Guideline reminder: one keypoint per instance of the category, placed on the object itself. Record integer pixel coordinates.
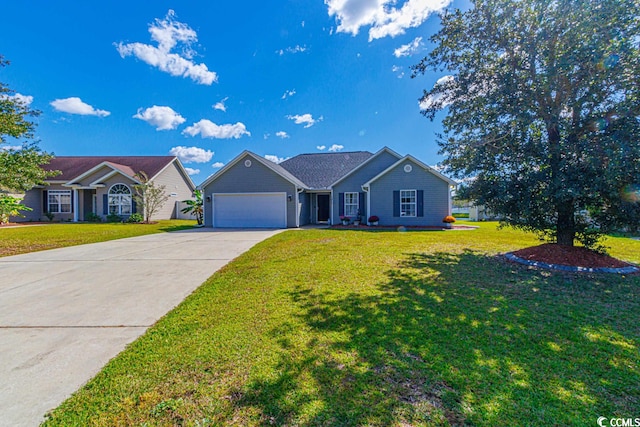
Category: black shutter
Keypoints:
(361, 207)
(72, 200)
(45, 201)
(396, 203)
(340, 204)
(420, 202)
(134, 206)
(105, 204)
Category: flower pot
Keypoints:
(356, 222)
(373, 223)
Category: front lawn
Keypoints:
(31, 238)
(334, 327)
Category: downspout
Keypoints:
(366, 190)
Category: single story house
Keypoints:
(103, 185)
(320, 188)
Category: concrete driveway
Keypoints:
(65, 312)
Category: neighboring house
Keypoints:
(251, 191)
(480, 213)
(103, 185)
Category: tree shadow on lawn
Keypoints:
(457, 339)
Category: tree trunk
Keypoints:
(566, 226)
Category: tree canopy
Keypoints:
(543, 118)
(20, 166)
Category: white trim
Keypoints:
(409, 157)
(272, 193)
(363, 164)
(60, 193)
(344, 195)
(75, 205)
(367, 202)
(120, 204)
(415, 204)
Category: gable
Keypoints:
(247, 174)
(369, 169)
(75, 166)
(412, 163)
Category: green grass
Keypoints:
(23, 239)
(351, 328)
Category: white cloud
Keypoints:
(293, 49)
(74, 105)
(192, 171)
(336, 147)
(305, 119)
(191, 154)
(275, 159)
(409, 49)
(10, 147)
(168, 33)
(398, 71)
(163, 118)
(208, 129)
(282, 134)
(220, 105)
(24, 100)
(321, 147)
(430, 101)
(217, 165)
(288, 93)
(384, 18)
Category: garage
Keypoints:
(249, 210)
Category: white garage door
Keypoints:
(250, 210)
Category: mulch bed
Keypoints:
(401, 227)
(575, 256)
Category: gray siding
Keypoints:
(32, 199)
(436, 195)
(255, 179)
(304, 208)
(353, 183)
(177, 188)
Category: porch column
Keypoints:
(75, 205)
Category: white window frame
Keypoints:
(406, 207)
(120, 203)
(351, 208)
(57, 203)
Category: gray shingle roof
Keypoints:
(320, 170)
(73, 166)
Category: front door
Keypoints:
(323, 207)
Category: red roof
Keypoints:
(74, 166)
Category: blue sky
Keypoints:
(207, 80)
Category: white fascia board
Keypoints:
(414, 160)
(363, 164)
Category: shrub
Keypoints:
(374, 218)
(135, 218)
(49, 215)
(448, 219)
(91, 217)
(114, 218)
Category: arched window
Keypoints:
(120, 200)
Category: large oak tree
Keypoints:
(543, 118)
(20, 167)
